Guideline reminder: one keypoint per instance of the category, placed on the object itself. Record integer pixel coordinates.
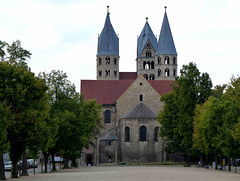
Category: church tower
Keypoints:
(108, 52)
(146, 48)
(166, 54)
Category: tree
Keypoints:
(190, 89)
(4, 145)
(25, 95)
(76, 119)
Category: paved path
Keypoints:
(135, 173)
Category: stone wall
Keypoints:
(130, 98)
(136, 151)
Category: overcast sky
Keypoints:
(62, 34)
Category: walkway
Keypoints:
(135, 173)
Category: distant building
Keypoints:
(131, 100)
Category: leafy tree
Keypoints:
(25, 95)
(190, 89)
(77, 119)
(4, 146)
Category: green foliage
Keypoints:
(4, 145)
(216, 126)
(176, 119)
(77, 120)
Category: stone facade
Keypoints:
(130, 105)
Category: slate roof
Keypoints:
(140, 111)
(165, 42)
(108, 91)
(108, 41)
(146, 34)
(110, 134)
(127, 75)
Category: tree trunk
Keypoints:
(187, 164)
(45, 154)
(216, 161)
(24, 164)
(221, 162)
(14, 172)
(229, 164)
(66, 159)
(202, 163)
(53, 163)
(2, 172)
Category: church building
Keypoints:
(131, 100)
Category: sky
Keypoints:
(63, 34)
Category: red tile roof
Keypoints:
(127, 75)
(104, 91)
(162, 86)
(108, 91)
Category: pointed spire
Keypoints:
(165, 42)
(145, 36)
(108, 41)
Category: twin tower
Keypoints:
(156, 60)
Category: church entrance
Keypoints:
(89, 159)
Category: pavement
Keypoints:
(134, 173)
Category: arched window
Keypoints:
(148, 65)
(127, 134)
(166, 61)
(148, 54)
(156, 134)
(141, 97)
(159, 72)
(99, 61)
(152, 65)
(100, 73)
(159, 60)
(107, 60)
(174, 61)
(115, 61)
(107, 116)
(174, 72)
(146, 76)
(167, 73)
(151, 77)
(115, 73)
(107, 73)
(143, 133)
(144, 65)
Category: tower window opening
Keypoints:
(115, 73)
(146, 76)
(174, 72)
(115, 61)
(141, 97)
(107, 73)
(151, 77)
(159, 60)
(107, 60)
(109, 143)
(100, 73)
(159, 72)
(167, 73)
(166, 61)
(144, 65)
(99, 61)
(174, 61)
(148, 54)
(152, 65)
